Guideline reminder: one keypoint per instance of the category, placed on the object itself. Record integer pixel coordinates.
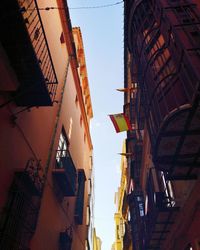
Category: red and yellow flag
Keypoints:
(120, 122)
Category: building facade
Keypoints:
(162, 76)
(45, 142)
(96, 241)
(122, 215)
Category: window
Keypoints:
(140, 205)
(63, 146)
(118, 237)
(64, 172)
(80, 197)
(18, 221)
(91, 162)
(88, 216)
(168, 190)
(89, 186)
(146, 204)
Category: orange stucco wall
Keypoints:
(30, 135)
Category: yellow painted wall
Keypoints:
(96, 241)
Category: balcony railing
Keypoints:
(24, 41)
(136, 206)
(65, 175)
(19, 216)
(33, 175)
(129, 110)
(161, 212)
(140, 114)
(134, 145)
(166, 57)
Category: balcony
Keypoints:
(64, 175)
(177, 149)
(161, 212)
(129, 110)
(18, 219)
(25, 44)
(136, 206)
(134, 145)
(32, 177)
(140, 113)
(168, 77)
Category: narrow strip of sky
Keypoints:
(102, 32)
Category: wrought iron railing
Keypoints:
(33, 21)
(34, 171)
(136, 205)
(18, 219)
(160, 211)
(64, 161)
(65, 173)
(159, 194)
(167, 73)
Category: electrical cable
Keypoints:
(96, 7)
(75, 8)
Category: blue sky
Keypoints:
(102, 32)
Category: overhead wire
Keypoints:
(76, 8)
(96, 7)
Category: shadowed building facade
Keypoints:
(45, 144)
(162, 77)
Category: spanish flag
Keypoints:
(120, 122)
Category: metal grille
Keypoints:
(136, 204)
(19, 217)
(32, 19)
